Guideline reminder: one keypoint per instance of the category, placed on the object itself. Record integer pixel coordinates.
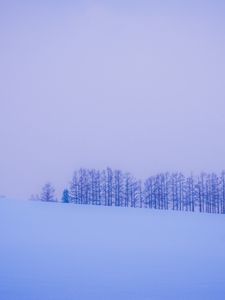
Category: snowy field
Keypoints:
(52, 251)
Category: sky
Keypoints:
(135, 85)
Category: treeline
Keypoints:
(203, 193)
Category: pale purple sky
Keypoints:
(135, 85)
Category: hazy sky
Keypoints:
(137, 85)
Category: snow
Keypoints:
(64, 251)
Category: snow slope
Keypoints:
(61, 251)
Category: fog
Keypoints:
(132, 85)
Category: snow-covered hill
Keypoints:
(52, 251)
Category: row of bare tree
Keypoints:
(203, 193)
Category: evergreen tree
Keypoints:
(65, 196)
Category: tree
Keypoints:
(118, 188)
(222, 192)
(103, 181)
(127, 189)
(74, 189)
(109, 188)
(65, 196)
(48, 193)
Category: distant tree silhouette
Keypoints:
(65, 196)
(48, 193)
(203, 193)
